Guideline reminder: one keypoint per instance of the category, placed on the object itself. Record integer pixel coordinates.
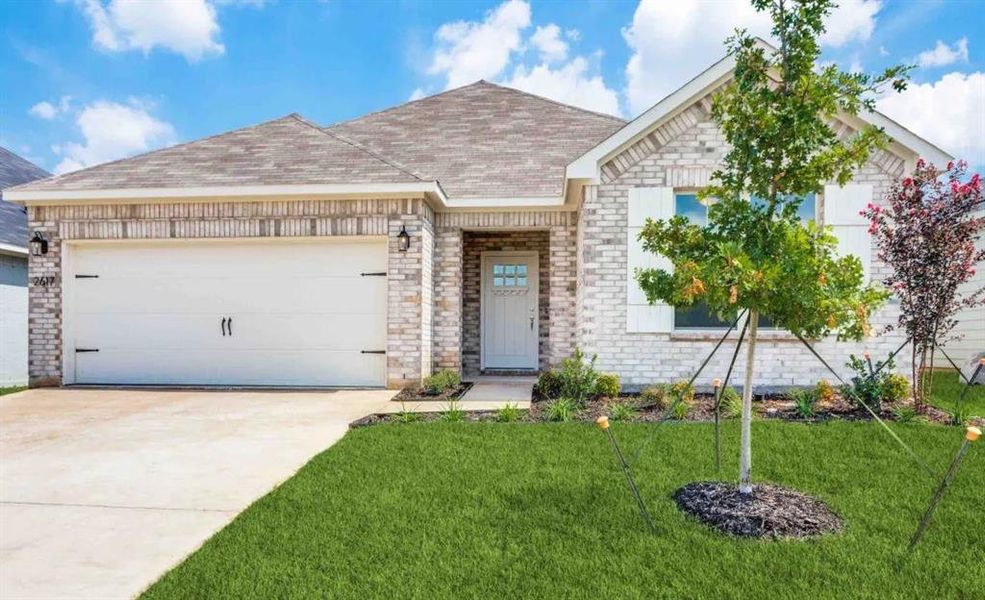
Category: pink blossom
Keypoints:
(920, 163)
(950, 165)
(907, 182)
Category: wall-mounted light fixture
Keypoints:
(403, 240)
(39, 245)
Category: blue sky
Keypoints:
(93, 80)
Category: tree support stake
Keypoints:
(603, 423)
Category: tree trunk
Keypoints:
(745, 456)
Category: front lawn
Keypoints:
(947, 388)
(487, 510)
(12, 390)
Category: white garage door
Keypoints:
(270, 313)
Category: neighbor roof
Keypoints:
(484, 140)
(285, 151)
(15, 170)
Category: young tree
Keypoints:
(927, 235)
(754, 253)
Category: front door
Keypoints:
(510, 320)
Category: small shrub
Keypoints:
(731, 404)
(682, 390)
(803, 402)
(508, 414)
(863, 388)
(607, 385)
(824, 391)
(441, 381)
(407, 416)
(907, 414)
(654, 396)
(895, 387)
(548, 386)
(577, 378)
(960, 416)
(622, 411)
(561, 410)
(453, 414)
(681, 409)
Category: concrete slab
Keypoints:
(102, 491)
(497, 391)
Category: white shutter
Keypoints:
(841, 211)
(641, 317)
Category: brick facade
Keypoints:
(687, 160)
(409, 294)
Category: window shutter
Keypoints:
(841, 211)
(654, 203)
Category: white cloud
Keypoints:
(852, 20)
(48, 111)
(187, 27)
(417, 94)
(44, 110)
(883, 51)
(468, 51)
(547, 40)
(111, 131)
(943, 55)
(572, 83)
(948, 112)
(674, 41)
(495, 48)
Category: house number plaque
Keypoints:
(46, 281)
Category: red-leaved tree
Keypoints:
(927, 236)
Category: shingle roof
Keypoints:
(484, 140)
(478, 141)
(14, 170)
(285, 151)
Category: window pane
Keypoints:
(497, 269)
(510, 269)
(807, 210)
(688, 206)
(521, 269)
(509, 281)
(521, 281)
(497, 282)
(697, 317)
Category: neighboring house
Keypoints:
(14, 170)
(482, 229)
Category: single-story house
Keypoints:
(482, 229)
(14, 170)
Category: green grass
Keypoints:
(947, 388)
(12, 390)
(457, 510)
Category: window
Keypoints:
(697, 316)
(509, 275)
(807, 209)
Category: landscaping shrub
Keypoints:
(871, 391)
(681, 409)
(407, 416)
(622, 411)
(896, 387)
(654, 396)
(607, 385)
(577, 378)
(907, 414)
(682, 390)
(731, 404)
(548, 386)
(561, 410)
(453, 414)
(824, 391)
(508, 413)
(441, 381)
(804, 401)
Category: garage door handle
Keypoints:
(230, 325)
(223, 326)
(372, 351)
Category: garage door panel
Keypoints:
(323, 332)
(231, 259)
(303, 313)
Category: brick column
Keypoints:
(447, 325)
(45, 305)
(563, 289)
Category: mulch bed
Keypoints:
(770, 512)
(413, 395)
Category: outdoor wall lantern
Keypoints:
(39, 245)
(403, 239)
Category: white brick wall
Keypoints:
(687, 161)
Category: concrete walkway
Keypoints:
(102, 491)
(496, 391)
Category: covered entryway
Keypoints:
(509, 305)
(259, 312)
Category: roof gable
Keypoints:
(484, 140)
(285, 151)
(696, 94)
(15, 170)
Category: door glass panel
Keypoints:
(510, 275)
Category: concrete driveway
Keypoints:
(102, 491)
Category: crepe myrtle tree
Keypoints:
(754, 253)
(926, 233)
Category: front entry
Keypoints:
(510, 319)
